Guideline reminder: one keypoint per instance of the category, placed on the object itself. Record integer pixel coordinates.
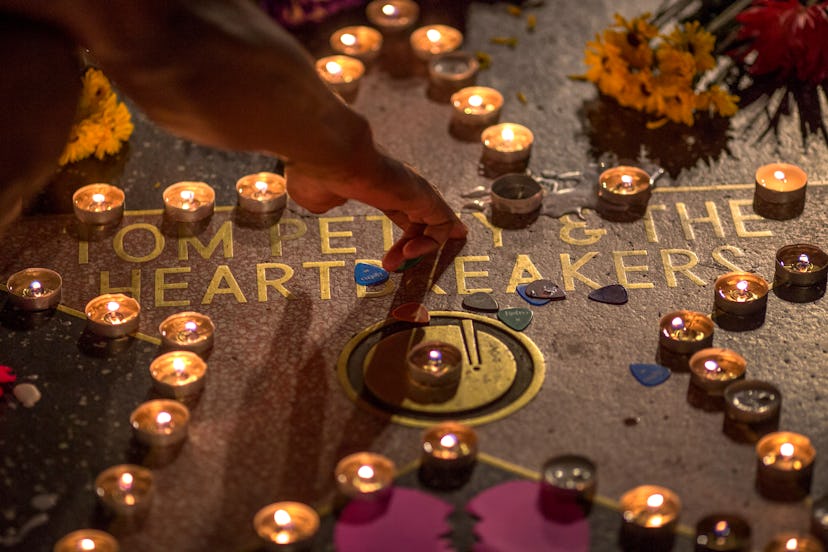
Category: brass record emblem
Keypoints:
(502, 370)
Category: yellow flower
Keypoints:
(675, 64)
(673, 101)
(696, 41)
(632, 38)
(718, 101)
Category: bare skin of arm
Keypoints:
(220, 73)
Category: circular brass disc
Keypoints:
(502, 370)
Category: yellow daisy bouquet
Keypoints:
(660, 74)
(102, 123)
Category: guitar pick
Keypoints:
(614, 294)
(368, 275)
(516, 318)
(650, 375)
(536, 301)
(408, 263)
(481, 302)
(545, 289)
(412, 312)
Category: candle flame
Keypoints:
(35, 285)
(86, 544)
(791, 544)
(804, 259)
(187, 195)
(125, 481)
(190, 326)
(475, 100)
(112, 306)
(711, 365)
(435, 356)
(260, 185)
(507, 134)
(389, 10)
(433, 35)
(365, 472)
(655, 500)
(163, 418)
(627, 180)
(449, 440)
(721, 528)
(179, 364)
(677, 323)
(742, 285)
(333, 68)
(282, 518)
(348, 39)
(779, 175)
(786, 449)
(98, 198)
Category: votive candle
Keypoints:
(98, 204)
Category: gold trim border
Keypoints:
(534, 385)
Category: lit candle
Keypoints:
(87, 540)
(160, 423)
(448, 73)
(98, 204)
(433, 40)
(793, 542)
(365, 476)
(392, 16)
(780, 191)
(516, 201)
(125, 490)
(752, 409)
(685, 332)
(112, 315)
(435, 364)
(650, 513)
(34, 289)
(568, 485)
(723, 533)
(342, 74)
(448, 453)
(474, 109)
(623, 193)
(713, 369)
(178, 374)
(262, 192)
(359, 41)
(785, 465)
(740, 296)
(506, 148)
(189, 201)
(284, 526)
(187, 331)
(800, 273)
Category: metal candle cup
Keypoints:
(34, 289)
(793, 542)
(433, 40)
(685, 332)
(178, 374)
(160, 423)
(650, 514)
(435, 364)
(567, 487)
(516, 201)
(623, 193)
(189, 201)
(98, 204)
(713, 369)
(784, 465)
(475, 107)
(359, 41)
(740, 294)
(262, 192)
(819, 520)
(287, 526)
(342, 74)
(125, 490)
(800, 273)
(87, 540)
(187, 331)
(723, 533)
(448, 453)
(365, 476)
(112, 315)
(780, 191)
(506, 147)
(392, 16)
(451, 72)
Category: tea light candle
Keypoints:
(178, 374)
(448, 453)
(819, 520)
(87, 540)
(160, 423)
(392, 16)
(189, 201)
(262, 192)
(685, 332)
(793, 542)
(785, 465)
(713, 369)
(507, 144)
(125, 490)
(435, 364)
(723, 533)
(34, 289)
(187, 331)
(567, 487)
(451, 72)
(284, 526)
(650, 514)
(98, 204)
(741, 294)
(342, 74)
(476, 106)
(433, 40)
(112, 315)
(365, 476)
(359, 41)
(800, 272)
(623, 190)
(780, 191)
(752, 409)
(516, 201)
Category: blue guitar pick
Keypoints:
(369, 275)
(536, 301)
(614, 294)
(650, 375)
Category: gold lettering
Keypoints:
(649, 222)
(387, 230)
(362, 291)
(712, 217)
(497, 233)
(461, 274)
(161, 284)
(120, 251)
(325, 235)
(569, 271)
(671, 269)
(276, 236)
(223, 274)
(622, 269)
(720, 258)
(224, 235)
(569, 225)
(523, 264)
(262, 283)
(134, 287)
(83, 252)
(324, 275)
(739, 219)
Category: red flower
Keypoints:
(789, 39)
(6, 376)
